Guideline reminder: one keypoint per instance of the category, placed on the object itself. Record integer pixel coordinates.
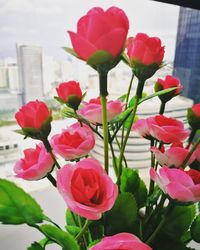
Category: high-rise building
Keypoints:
(29, 60)
(187, 56)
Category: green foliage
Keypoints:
(131, 182)
(122, 216)
(152, 199)
(62, 238)
(179, 221)
(73, 230)
(35, 246)
(167, 243)
(16, 206)
(71, 218)
(195, 229)
(70, 51)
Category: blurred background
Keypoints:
(33, 63)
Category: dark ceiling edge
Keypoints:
(194, 4)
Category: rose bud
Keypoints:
(122, 241)
(193, 116)
(100, 36)
(35, 165)
(92, 111)
(70, 93)
(145, 55)
(172, 157)
(177, 184)
(168, 82)
(86, 188)
(164, 129)
(74, 142)
(35, 119)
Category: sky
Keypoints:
(45, 22)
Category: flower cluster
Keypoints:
(106, 212)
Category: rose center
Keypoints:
(195, 175)
(73, 140)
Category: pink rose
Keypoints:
(162, 128)
(33, 115)
(92, 111)
(168, 130)
(121, 241)
(35, 165)
(145, 50)
(74, 142)
(100, 30)
(70, 93)
(86, 188)
(172, 157)
(197, 153)
(177, 184)
(196, 109)
(168, 82)
(193, 116)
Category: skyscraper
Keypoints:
(187, 56)
(29, 60)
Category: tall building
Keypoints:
(29, 60)
(187, 56)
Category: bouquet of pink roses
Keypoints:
(104, 212)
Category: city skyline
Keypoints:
(31, 22)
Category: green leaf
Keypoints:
(179, 221)
(16, 206)
(128, 121)
(70, 51)
(122, 216)
(162, 92)
(62, 238)
(195, 229)
(71, 218)
(166, 243)
(73, 230)
(133, 100)
(99, 57)
(19, 131)
(35, 246)
(68, 112)
(59, 99)
(131, 182)
(152, 199)
(122, 97)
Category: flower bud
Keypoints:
(193, 116)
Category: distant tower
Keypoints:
(29, 60)
(187, 57)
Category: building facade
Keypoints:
(187, 56)
(29, 60)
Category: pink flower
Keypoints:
(121, 241)
(193, 116)
(162, 128)
(197, 153)
(100, 30)
(168, 82)
(172, 157)
(33, 115)
(70, 93)
(196, 109)
(86, 188)
(92, 111)
(177, 184)
(168, 130)
(74, 142)
(35, 165)
(145, 50)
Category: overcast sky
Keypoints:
(45, 22)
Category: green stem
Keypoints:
(192, 135)
(51, 179)
(162, 108)
(161, 224)
(133, 113)
(124, 158)
(190, 153)
(127, 99)
(105, 132)
(83, 229)
(49, 149)
(113, 156)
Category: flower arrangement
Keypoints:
(104, 212)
